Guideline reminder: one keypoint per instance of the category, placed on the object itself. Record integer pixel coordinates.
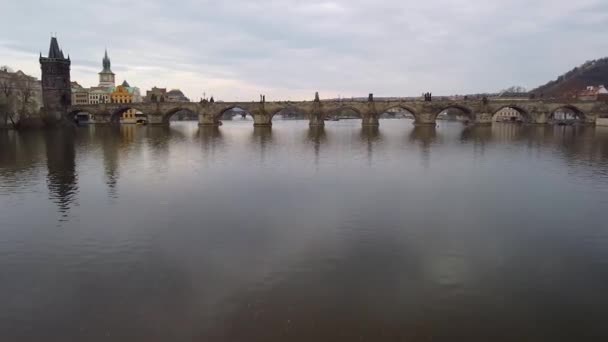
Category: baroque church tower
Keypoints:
(106, 76)
(56, 86)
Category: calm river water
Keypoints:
(291, 234)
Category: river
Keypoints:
(402, 233)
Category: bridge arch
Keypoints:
(402, 107)
(566, 113)
(289, 110)
(171, 112)
(220, 113)
(327, 113)
(77, 114)
(468, 112)
(117, 114)
(519, 109)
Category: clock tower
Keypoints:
(106, 76)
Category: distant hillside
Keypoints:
(592, 73)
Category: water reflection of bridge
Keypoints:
(58, 150)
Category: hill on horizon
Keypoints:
(591, 73)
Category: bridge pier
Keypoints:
(541, 118)
(370, 121)
(205, 119)
(317, 117)
(425, 119)
(261, 118)
(316, 120)
(156, 119)
(483, 119)
(370, 117)
(101, 118)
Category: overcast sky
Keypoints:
(288, 49)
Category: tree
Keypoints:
(7, 101)
(514, 90)
(25, 92)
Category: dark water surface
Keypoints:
(291, 234)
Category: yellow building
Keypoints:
(121, 94)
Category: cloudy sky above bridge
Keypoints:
(287, 49)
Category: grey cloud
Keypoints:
(289, 49)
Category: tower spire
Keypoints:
(54, 50)
(106, 76)
(106, 63)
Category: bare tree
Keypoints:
(6, 106)
(26, 93)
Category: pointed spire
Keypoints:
(54, 50)
(106, 63)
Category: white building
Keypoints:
(99, 95)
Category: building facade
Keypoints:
(122, 94)
(80, 95)
(156, 95)
(593, 93)
(99, 95)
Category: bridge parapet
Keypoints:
(424, 112)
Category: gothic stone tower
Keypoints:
(56, 86)
(106, 76)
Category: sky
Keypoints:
(289, 49)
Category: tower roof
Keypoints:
(125, 84)
(106, 63)
(54, 50)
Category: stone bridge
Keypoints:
(479, 111)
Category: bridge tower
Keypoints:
(56, 86)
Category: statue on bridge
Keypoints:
(428, 97)
(370, 98)
(317, 99)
